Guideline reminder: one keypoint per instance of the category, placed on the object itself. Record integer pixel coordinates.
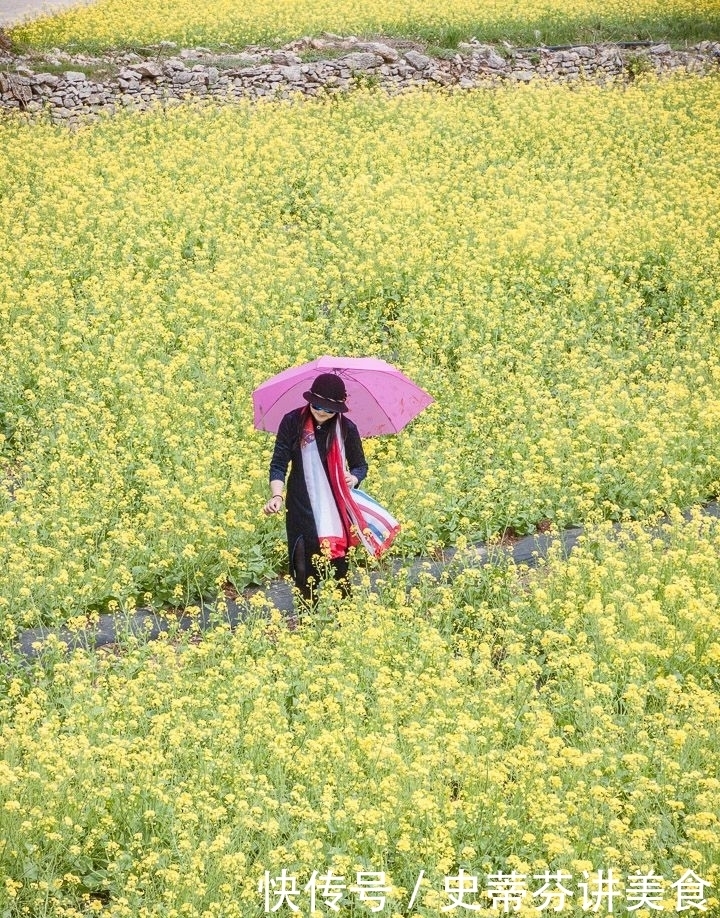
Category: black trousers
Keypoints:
(302, 576)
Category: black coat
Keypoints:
(299, 519)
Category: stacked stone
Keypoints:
(259, 72)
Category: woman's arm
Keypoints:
(282, 454)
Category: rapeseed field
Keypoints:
(517, 735)
(228, 23)
(543, 261)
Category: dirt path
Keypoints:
(111, 629)
(13, 12)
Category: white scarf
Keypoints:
(328, 523)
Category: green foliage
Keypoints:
(637, 65)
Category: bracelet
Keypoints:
(278, 495)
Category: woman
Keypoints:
(326, 458)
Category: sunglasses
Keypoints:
(323, 408)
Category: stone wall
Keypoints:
(167, 76)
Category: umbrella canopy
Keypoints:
(380, 399)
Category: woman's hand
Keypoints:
(350, 480)
(274, 504)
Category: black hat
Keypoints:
(328, 391)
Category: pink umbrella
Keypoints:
(380, 399)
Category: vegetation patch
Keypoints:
(566, 723)
(542, 261)
(223, 23)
